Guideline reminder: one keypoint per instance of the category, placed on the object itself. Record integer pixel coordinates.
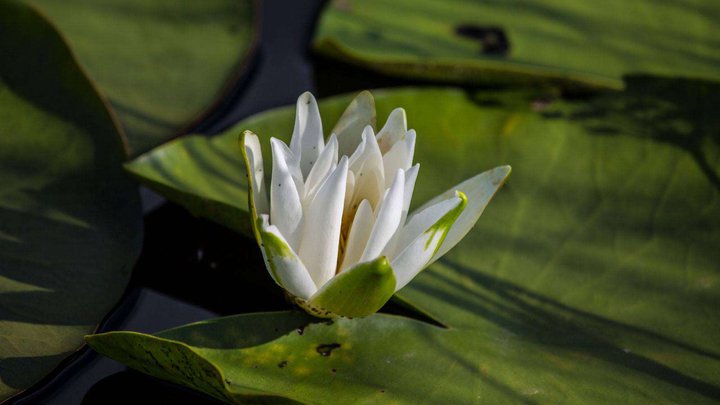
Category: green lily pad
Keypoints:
(592, 275)
(70, 219)
(607, 232)
(573, 43)
(381, 358)
(162, 64)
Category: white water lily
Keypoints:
(333, 222)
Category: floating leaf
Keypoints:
(70, 220)
(162, 63)
(380, 359)
(575, 43)
(601, 249)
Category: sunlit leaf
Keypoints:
(382, 359)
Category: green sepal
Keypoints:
(356, 292)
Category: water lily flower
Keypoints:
(333, 222)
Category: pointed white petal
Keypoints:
(285, 204)
(321, 233)
(419, 252)
(307, 138)
(410, 177)
(256, 172)
(359, 114)
(387, 219)
(420, 221)
(366, 164)
(326, 162)
(394, 129)
(356, 158)
(291, 162)
(283, 263)
(368, 149)
(359, 233)
(410, 137)
(394, 160)
(349, 207)
(479, 190)
(399, 156)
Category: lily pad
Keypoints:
(163, 64)
(592, 275)
(607, 233)
(380, 359)
(70, 219)
(573, 43)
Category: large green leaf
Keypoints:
(162, 63)
(384, 359)
(607, 232)
(603, 247)
(577, 42)
(70, 220)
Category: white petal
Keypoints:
(349, 207)
(400, 156)
(367, 150)
(291, 161)
(283, 263)
(420, 221)
(355, 158)
(321, 233)
(349, 128)
(285, 204)
(327, 161)
(479, 191)
(359, 233)
(394, 130)
(307, 138)
(366, 164)
(410, 144)
(256, 175)
(410, 177)
(419, 252)
(387, 219)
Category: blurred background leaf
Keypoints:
(603, 243)
(578, 43)
(163, 64)
(70, 219)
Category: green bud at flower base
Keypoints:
(333, 223)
